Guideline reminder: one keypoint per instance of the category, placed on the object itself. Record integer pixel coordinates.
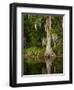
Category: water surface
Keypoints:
(34, 66)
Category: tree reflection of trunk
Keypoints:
(49, 62)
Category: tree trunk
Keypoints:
(49, 52)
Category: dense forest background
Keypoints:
(35, 42)
(33, 35)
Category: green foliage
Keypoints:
(32, 66)
(34, 31)
(57, 29)
(57, 65)
(33, 37)
(34, 52)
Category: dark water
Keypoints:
(34, 66)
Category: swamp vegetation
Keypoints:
(43, 44)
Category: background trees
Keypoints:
(35, 34)
(34, 30)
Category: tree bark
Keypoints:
(49, 51)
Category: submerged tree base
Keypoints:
(49, 53)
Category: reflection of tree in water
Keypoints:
(53, 65)
(49, 62)
(43, 66)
